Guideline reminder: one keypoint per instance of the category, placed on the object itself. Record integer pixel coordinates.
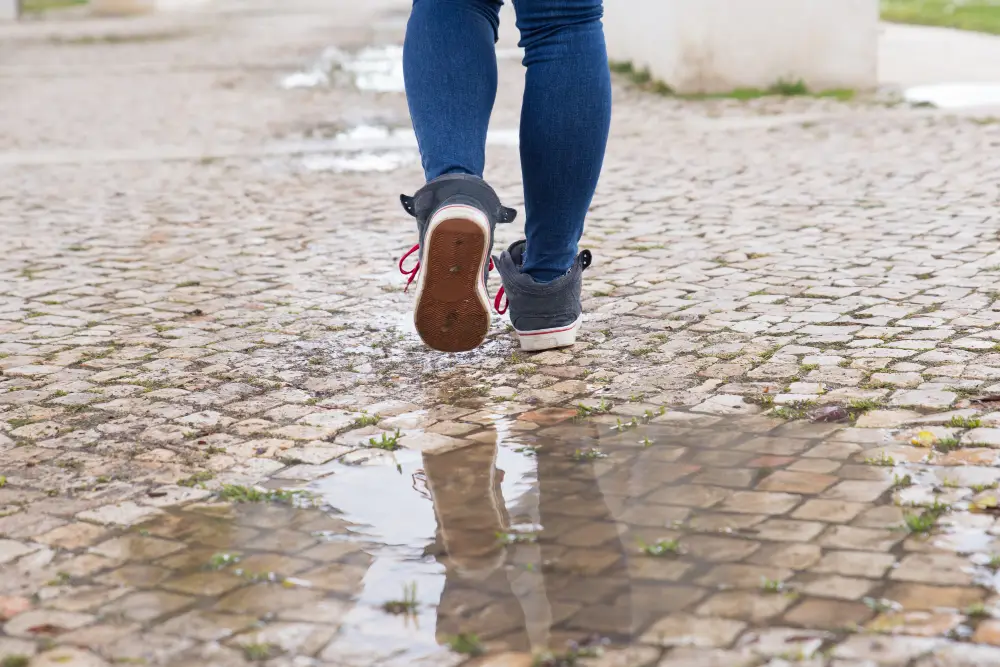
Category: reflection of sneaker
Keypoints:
(456, 216)
(544, 315)
(469, 507)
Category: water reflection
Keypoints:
(955, 95)
(764, 539)
(475, 528)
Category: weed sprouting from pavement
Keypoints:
(256, 652)
(588, 454)
(575, 651)
(661, 548)
(466, 644)
(222, 561)
(771, 585)
(882, 459)
(517, 538)
(901, 482)
(947, 444)
(197, 478)
(964, 422)
(407, 605)
(925, 521)
(366, 420)
(389, 443)
(586, 411)
(247, 494)
(624, 426)
(862, 405)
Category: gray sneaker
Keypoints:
(456, 216)
(545, 315)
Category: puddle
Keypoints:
(761, 538)
(381, 161)
(376, 69)
(372, 148)
(955, 95)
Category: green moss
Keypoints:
(976, 15)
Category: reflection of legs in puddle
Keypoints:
(586, 576)
(530, 596)
(464, 485)
(450, 68)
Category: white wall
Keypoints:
(718, 45)
(8, 10)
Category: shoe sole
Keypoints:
(549, 339)
(452, 312)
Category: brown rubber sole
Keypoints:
(450, 314)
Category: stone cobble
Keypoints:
(199, 305)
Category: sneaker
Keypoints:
(545, 315)
(456, 217)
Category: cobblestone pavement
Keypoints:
(223, 444)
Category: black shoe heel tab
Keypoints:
(506, 215)
(408, 204)
(585, 259)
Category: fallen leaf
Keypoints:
(986, 501)
(924, 439)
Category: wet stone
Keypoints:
(928, 598)
(916, 623)
(753, 502)
(134, 547)
(123, 514)
(855, 563)
(146, 606)
(684, 630)
(835, 511)
(139, 576)
(797, 482)
(68, 657)
(700, 657)
(261, 599)
(10, 647)
(56, 622)
(72, 536)
(828, 614)
(749, 606)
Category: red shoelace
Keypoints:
(412, 275)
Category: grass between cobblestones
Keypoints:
(977, 15)
(780, 88)
(45, 5)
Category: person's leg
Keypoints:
(564, 126)
(450, 69)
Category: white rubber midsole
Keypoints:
(548, 339)
(458, 212)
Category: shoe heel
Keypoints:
(549, 339)
(452, 308)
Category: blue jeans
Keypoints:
(450, 67)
